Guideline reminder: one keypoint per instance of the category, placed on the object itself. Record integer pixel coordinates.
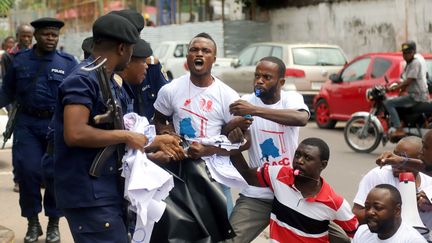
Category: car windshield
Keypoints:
(316, 56)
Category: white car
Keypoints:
(172, 56)
(307, 66)
(3, 121)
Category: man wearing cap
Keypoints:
(146, 92)
(93, 205)
(32, 80)
(414, 84)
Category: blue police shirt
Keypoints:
(74, 186)
(146, 93)
(41, 94)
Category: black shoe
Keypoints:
(53, 233)
(34, 230)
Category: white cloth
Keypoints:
(146, 184)
(220, 167)
(384, 175)
(196, 112)
(405, 234)
(272, 143)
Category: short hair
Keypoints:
(277, 61)
(322, 146)
(8, 38)
(394, 192)
(21, 27)
(206, 36)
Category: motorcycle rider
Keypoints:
(413, 88)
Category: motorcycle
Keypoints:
(365, 130)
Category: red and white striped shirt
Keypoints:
(298, 219)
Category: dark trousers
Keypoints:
(27, 151)
(103, 224)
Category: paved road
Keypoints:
(343, 172)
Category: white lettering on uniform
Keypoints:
(55, 70)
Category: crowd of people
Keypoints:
(60, 134)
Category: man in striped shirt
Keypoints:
(304, 203)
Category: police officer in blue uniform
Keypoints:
(146, 93)
(92, 206)
(32, 80)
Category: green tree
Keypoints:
(5, 5)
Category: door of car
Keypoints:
(347, 95)
(177, 60)
(235, 76)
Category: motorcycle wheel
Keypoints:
(360, 140)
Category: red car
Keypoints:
(345, 92)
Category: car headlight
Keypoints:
(289, 87)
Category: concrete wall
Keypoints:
(357, 26)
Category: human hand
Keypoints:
(423, 202)
(196, 150)
(159, 157)
(170, 145)
(236, 135)
(136, 140)
(389, 158)
(242, 108)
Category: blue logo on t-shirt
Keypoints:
(269, 149)
(186, 129)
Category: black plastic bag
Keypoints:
(196, 207)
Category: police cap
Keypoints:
(142, 49)
(133, 16)
(409, 46)
(47, 22)
(116, 27)
(87, 44)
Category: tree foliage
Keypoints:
(5, 5)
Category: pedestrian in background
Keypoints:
(24, 35)
(32, 80)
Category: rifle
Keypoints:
(10, 125)
(113, 115)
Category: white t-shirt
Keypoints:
(384, 175)
(272, 143)
(196, 112)
(405, 234)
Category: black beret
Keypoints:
(87, 44)
(142, 49)
(409, 46)
(116, 27)
(47, 22)
(133, 16)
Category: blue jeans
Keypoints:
(393, 103)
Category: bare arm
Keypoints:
(249, 174)
(197, 150)
(359, 212)
(286, 117)
(163, 124)
(77, 132)
(412, 164)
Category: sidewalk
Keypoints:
(10, 215)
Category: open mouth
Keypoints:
(198, 63)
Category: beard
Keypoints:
(268, 94)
